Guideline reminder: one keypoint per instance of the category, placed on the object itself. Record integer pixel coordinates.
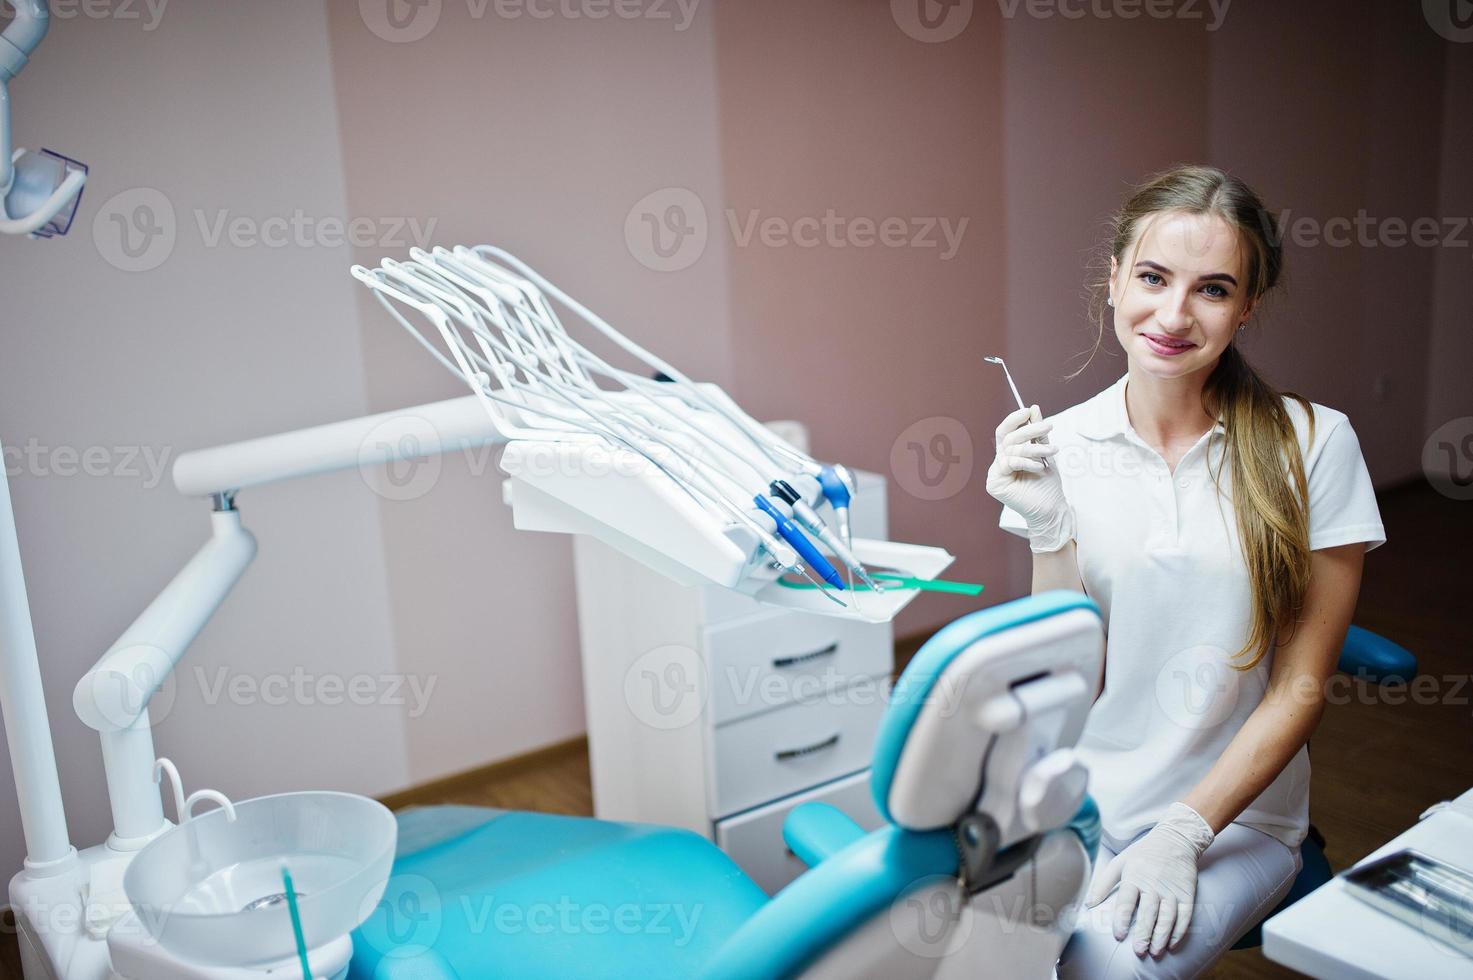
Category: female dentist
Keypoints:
(1221, 527)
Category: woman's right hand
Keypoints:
(1018, 479)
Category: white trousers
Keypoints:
(1240, 879)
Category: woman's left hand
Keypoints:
(1158, 881)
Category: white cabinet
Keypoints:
(710, 711)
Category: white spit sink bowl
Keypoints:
(211, 889)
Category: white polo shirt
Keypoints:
(1160, 553)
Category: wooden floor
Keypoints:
(1377, 764)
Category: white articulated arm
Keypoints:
(113, 696)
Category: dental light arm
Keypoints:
(112, 698)
(41, 190)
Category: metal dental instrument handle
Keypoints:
(808, 519)
(790, 533)
(1016, 397)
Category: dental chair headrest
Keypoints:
(985, 716)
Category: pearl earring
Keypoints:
(1110, 301)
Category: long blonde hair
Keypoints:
(1269, 488)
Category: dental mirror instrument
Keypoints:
(1016, 397)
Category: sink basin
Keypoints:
(211, 891)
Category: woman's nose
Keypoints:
(1172, 313)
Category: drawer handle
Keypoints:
(827, 743)
(803, 658)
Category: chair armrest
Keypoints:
(1366, 654)
(814, 831)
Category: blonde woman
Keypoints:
(1222, 527)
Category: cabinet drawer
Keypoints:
(754, 840)
(758, 664)
(758, 759)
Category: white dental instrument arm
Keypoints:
(37, 186)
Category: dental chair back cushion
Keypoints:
(964, 698)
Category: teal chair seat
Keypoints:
(517, 894)
(1374, 658)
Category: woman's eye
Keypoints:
(1217, 291)
(1152, 278)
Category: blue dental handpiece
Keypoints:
(794, 536)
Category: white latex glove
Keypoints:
(1018, 479)
(1159, 872)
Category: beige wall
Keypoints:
(830, 106)
(216, 108)
(538, 136)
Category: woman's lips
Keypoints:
(1163, 349)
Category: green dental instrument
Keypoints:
(897, 581)
(291, 904)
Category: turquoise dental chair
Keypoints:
(1371, 657)
(986, 850)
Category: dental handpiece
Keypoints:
(790, 533)
(1016, 397)
(809, 519)
(836, 481)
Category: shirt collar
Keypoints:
(1105, 417)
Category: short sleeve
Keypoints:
(1011, 520)
(1342, 502)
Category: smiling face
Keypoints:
(1180, 301)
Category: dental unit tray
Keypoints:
(665, 471)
